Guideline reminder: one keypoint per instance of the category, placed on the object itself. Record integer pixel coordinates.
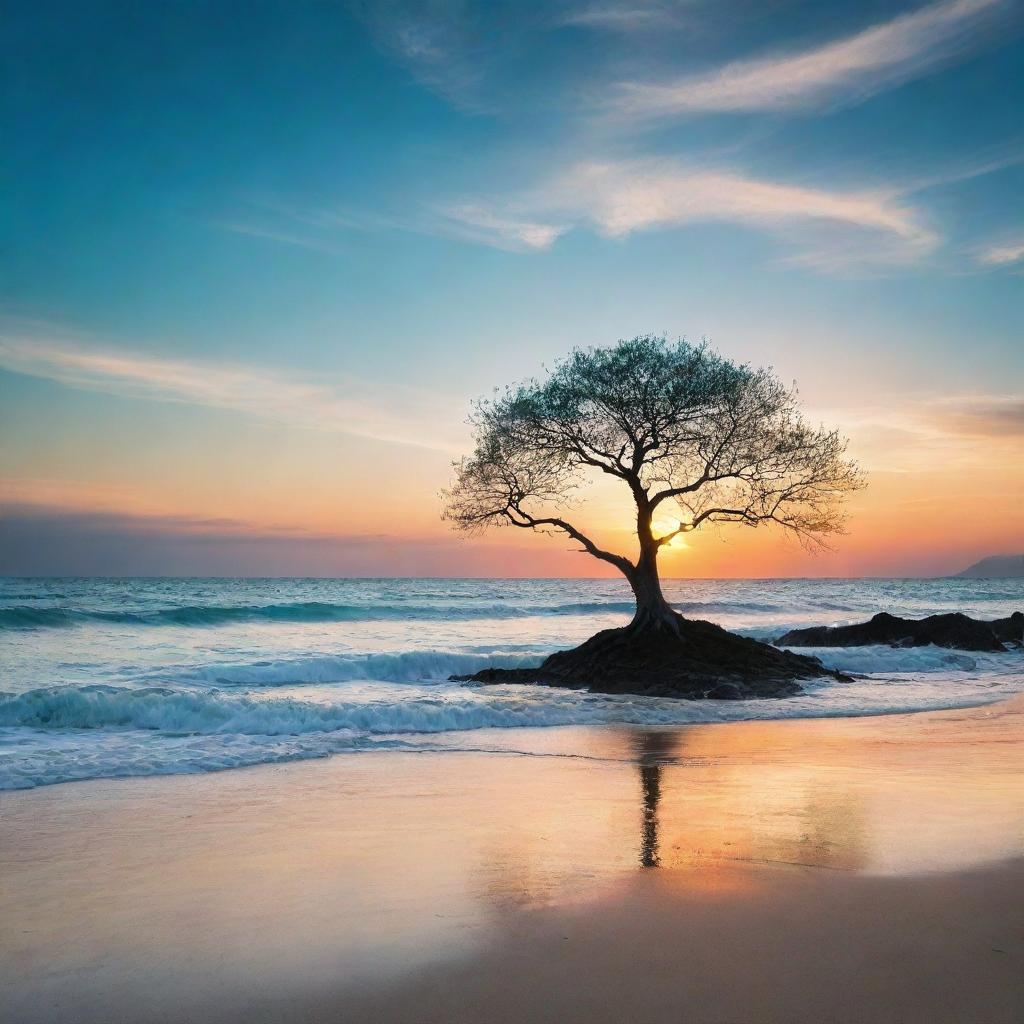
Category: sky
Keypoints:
(256, 260)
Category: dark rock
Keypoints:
(724, 691)
(950, 630)
(1010, 630)
(689, 658)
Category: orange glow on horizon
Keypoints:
(911, 520)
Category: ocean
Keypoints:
(123, 677)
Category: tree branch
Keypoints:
(669, 537)
(527, 521)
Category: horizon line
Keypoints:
(565, 579)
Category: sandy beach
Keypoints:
(845, 870)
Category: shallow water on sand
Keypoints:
(139, 677)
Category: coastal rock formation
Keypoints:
(952, 630)
(694, 661)
(1011, 629)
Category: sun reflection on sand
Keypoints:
(846, 795)
(698, 829)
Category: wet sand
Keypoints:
(847, 870)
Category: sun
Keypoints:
(662, 527)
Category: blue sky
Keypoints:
(257, 258)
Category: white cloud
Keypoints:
(828, 229)
(478, 223)
(844, 71)
(621, 17)
(620, 198)
(402, 417)
(500, 226)
(1001, 254)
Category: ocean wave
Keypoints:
(178, 712)
(22, 617)
(28, 617)
(401, 667)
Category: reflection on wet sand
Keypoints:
(884, 796)
(700, 813)
(853, 795)
(653, 747)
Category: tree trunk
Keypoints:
(652, 610)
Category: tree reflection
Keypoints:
(653, 748)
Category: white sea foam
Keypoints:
(879, 658)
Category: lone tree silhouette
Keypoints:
(685, 430)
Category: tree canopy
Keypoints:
(685, 429)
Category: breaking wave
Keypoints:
(174, 711)
(307, 611)
(402, 667)
(27, 617)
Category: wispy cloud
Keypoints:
(405, 417)
(500, 225)
(471, 51)
(830, 230)
(998, 417)
(450, 46)
(476, 222)
(848, 70)
(305, 226)
(624, 16)
(921, 432)
(1001, 254)
(301, 241)
(621, 198)
(965, 168)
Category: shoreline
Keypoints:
(757, 871)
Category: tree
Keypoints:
(676, 423)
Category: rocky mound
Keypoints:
(694, 660)
(951, 630)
